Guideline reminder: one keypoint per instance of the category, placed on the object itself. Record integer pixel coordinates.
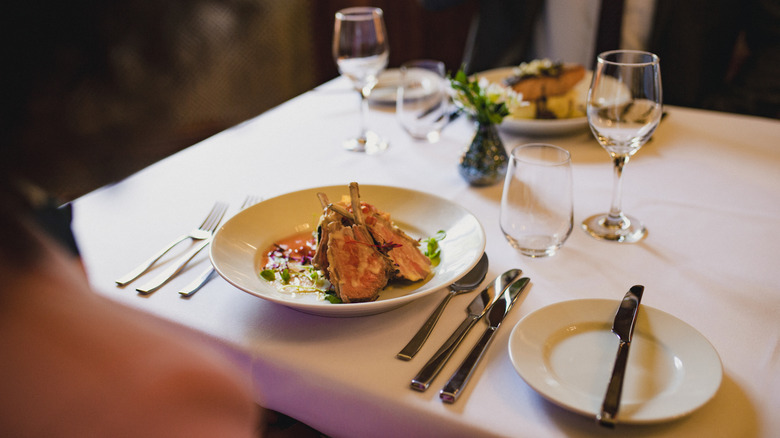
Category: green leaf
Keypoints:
(285, 274)
(333, 299)
(432, 249)
(268, 274)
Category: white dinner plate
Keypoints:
(565, 352)
(540, 127)
(238, 245)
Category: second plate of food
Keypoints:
(525, 124)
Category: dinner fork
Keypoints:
(207, 273)
(174, 269)
(202, 232)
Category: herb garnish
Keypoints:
(432, 250)
(332, 298)
(268, 274)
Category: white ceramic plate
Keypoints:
(238, 245)
(565, 352)
(537, 127)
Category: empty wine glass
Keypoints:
(361, 52)
(624, 108)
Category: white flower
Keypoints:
(487, 101)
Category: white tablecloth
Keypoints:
(707, 187)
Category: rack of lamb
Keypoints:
(360, 250)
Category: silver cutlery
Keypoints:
(623, 327)
(475, 310)
(195, 285)
(454, 387)
(202, 232)
(174, 269)
(208, 273)
(467, 283)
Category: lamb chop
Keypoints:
(354, 265)
(410, 263)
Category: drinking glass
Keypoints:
(536, 206)
(624, 108)
(422, 103)
(361, 52)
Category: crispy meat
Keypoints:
(410, 263)
(536, 87)
(360, 249)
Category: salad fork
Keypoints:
(202, 232)
(207, 273)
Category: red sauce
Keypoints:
(298, 247)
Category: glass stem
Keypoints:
(615, 217)
(363, 111)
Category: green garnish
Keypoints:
(333, 299)
(268, 274)
(432, 250)
(285, 274)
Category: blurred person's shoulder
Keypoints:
(75, 363)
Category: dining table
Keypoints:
(707, 187)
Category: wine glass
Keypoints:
(624, 108)
(361, 52)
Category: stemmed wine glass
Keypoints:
(361, 52)
(624, 108)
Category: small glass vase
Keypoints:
(485, 161)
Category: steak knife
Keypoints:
(476, 309)
(495, 316)
(623, 327)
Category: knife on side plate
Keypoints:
(476, 309)
(623, 327)
(495, 316)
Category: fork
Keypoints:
(202, 232)
(205, 276)
(174, 269)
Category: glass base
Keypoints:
(370, 144)
(627, 230)
(535, 246)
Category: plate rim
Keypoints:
(516, 355)
(348, 309)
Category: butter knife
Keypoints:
(495, 316)
(623, 327)
(476, 309)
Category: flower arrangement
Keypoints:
(487, 102)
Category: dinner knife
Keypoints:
(195, 285)
(476, 309)
(623, 327)
(495, 316)
(174, 269)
